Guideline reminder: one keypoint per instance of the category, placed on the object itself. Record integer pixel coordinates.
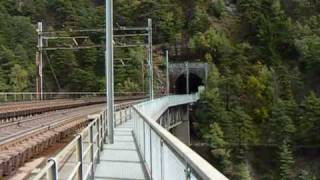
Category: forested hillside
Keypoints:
(260, 114)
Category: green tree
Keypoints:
(281, 127)
(242, 172)
(310, 119)
(211, 42)
(215, 139)
(217, 8)
(64, 63)
(200, 21)
(285, 161)
(18, 78)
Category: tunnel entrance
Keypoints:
(194, 83)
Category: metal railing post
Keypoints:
(92, 152)
(144, 141)
(99, 145)
(150, 144)
(101, 131)
(79, 156)
(105, 126)
(121, 115)
(53, 171)
(125, 113)
(188, 172)
(161, 159)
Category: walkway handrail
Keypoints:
(93, 137)
(155, 143)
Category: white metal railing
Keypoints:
(165, 156)
(78, 159)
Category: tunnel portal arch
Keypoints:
(194, 82)
(198, 74)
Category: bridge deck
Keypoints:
(121, 160)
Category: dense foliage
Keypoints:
(64, 70)
(263, 89)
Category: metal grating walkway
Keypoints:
(121, 160)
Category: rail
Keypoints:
(77, 160)
(164, 155)
(31, 96)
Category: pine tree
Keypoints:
(215, 139)
(281, 126)
(242, 172)
(285, 161)
(310, 119)
(244, 128)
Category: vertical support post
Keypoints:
(53, 171)
(109, 68)
(126, 113)
(92, 151)
(99, 144)
(188, 172)
(144, 141)
(150, 61)
(168, 77)
(188, 125)
(161, 159)
(121, 120)
(39, 65)
(150, 145)
(187, 77)
(79, 156)
(142, 74)
(105, 126)
(206, 74)
(130, 112)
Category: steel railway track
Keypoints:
(14, 112)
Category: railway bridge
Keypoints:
(150, 142)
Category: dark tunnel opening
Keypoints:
(181, 84)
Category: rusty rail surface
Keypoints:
(14, 112)
(6, 97)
